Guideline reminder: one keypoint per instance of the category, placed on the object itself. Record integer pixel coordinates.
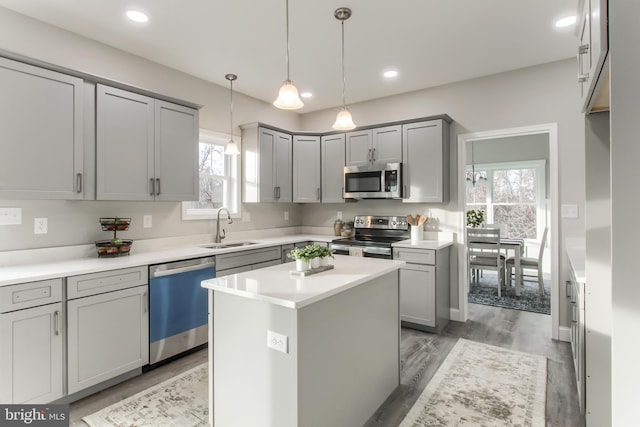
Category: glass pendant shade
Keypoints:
(344, 121)
(288, 98)
(231, 149)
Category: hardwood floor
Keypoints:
(421, 355)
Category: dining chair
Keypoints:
(483, 253)
(531, 263)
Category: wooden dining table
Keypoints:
(517, 246)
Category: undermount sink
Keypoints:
(228, 245)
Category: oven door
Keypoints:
(365, 251)
(377, 252)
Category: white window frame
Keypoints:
(232, 190)
(541, 203)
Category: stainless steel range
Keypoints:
(373, 236)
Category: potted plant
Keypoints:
(324, 253)
(302, 257)
(475, 218)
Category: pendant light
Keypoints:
(232, 148)
(473, 177)
(344, 120)
(288, 98)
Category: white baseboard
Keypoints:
(564, 333)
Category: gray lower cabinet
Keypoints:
(575, 294)
(146, 149)
(108, 326)
(425, 161)
(32, 331)
(252, 259)
(306, 169)
(41, 129)
(266, 165)
(424, 288)
(332, 148)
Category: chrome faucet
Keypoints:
(219, 237)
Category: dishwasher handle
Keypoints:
(177, 267)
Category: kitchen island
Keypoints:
(334, 357)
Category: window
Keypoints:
(513, 194)
(219, 179)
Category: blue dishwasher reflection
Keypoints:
(177, 308)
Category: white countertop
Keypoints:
(41, 269)
(577, 261)
(424, 244)
(277, 286)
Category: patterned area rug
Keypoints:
(180, 401)
(485, 291)
(483, 385)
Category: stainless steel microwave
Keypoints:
(376, 181)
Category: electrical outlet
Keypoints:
(569, 211)
(278, 342)
(147, 221)
(286, 216)
(40, 226)
(339, 215)
(10, 216)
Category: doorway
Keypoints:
(464, 140)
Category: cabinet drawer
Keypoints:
(253, 256)
(415, 256)
(32, 294)
(106, 281)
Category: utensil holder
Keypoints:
(416, 233)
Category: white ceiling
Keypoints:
(430, 42)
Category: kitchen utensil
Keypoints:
(422, 220)
(410, 220)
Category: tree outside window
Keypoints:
(219, 179)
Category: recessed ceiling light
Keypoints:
(306, 94)
(137, 16)
(390, 74)
(566, 21)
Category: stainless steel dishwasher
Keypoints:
(178, 306)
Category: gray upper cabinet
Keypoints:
(425, 149)
(266, 165)
(41, 129)
(146, 148)
(379, 145)
(333, 160)
(306, 169)
(593, 48)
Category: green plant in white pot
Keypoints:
(301, 256)
(475, 218)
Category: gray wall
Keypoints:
(531, 96)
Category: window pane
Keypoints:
(520, 219)
(514, 186)
(477, 193)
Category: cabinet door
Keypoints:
(306, 169)
(584, 53)
(425, 151)
(418, 294)
(41, 125)
(108, 336)
(125, 145)
(282, 168)
(358, 150)
(176, 152)
(31, 355)
(266, 173)
(387, 144)
(333, 161)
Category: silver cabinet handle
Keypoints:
(567, 290)
(78, 183)
(152, 184)
(369, 156)
(278, 192)
(583, 48)
(275, 193)
(583, 78)
(56, 322)
(158, 189)
(144, 302)
(318, 193)
(373, 155)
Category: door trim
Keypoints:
(463, 283)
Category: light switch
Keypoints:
(10, 216)
(147, 221)
(286, 216)
(569, 211)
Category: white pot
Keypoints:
(315, 262)
(324, 261)
(301, 265)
